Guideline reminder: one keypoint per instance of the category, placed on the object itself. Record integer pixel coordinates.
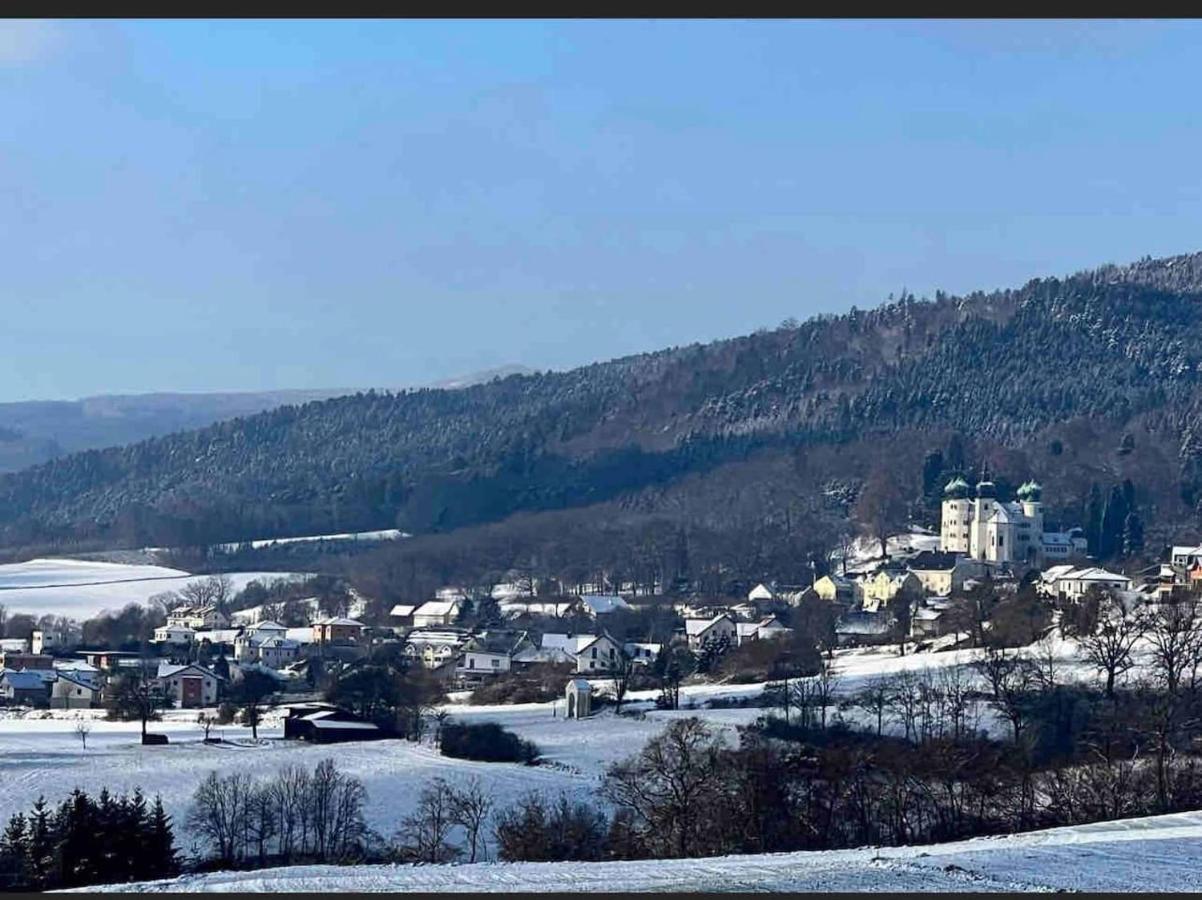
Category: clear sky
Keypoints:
(260, 205)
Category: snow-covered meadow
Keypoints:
(80, 589)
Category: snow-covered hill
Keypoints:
(1152, 854)
(82, 588)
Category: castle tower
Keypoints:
(983, 509)
(956, 516)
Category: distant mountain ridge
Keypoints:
(1117, 350)
(33, 432)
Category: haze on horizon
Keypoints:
(269, 205)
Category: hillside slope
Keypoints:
(1117, 347)
(33, 432)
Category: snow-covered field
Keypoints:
(81, 589)
(1153, 854)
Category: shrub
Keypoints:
(486, 742)
(537, 685)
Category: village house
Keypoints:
(941, 573)
(189, 686)
(435, 647)
(588, 652)
(268, 644)
(49, 641)
(199, 618)
(880, 589)
(601, 604)
(176, 635)
(859, 627)
(24, 688)
(1070, 583)
(765, 629)
(836, 589)
(338, 630)
(490, 654)
(437, 612)
(400, 616)
(73, 691)
(1185, 557)
(642, 652)
(711, 632)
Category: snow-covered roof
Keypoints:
(601, 604)
(169, 670)
(341, 620)
(543, 655)
(267, 626)
(694, 627)
(402, 610)
(13, 645)
(437, 608)
(760, 592)
(23, 680)
(1090, 573)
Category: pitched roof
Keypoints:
(694, 627)
(437, 608)
(23, 680)
(934, 561)
(602, 604)
(341, 621)
(402, 610)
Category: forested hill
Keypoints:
(1117, 345)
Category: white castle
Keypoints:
(996, 531)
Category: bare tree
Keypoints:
(1109, 647)
(881, 507)
(671, 787)
(825, 684)
(216, 590)
(470, 808)
(623, 668)
(219, 813)
(424, 834)
(1010, 679)
(874, 698)
(82, 729)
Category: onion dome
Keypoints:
(956, 488)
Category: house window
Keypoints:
(496, 663)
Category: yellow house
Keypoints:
(879, 589)
(835, 588)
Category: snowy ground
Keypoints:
(80, 589)
(1153, 854)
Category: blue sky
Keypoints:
(190, 205)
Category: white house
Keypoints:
(437, 612)
(189, 686)
(765, 629)
(600, 654)
(490, 654)
(760, 592)
(1071, 583)
(72, 691)
(1186, 557)
(702, 632)
(176, 635)
(198, 618)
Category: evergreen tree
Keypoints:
(1115, 514)
(162, 857)
(1093, 520)
(1133, 535)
